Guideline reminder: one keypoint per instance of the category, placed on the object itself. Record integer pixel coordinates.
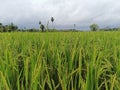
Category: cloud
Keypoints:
(27, 13)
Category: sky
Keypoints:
(83, 13)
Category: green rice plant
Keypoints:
(60, 61)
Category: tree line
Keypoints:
(95, 27)
(12, 27)
(8, 28)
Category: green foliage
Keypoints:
(0, 24)
(94, 27)
(42, 27)
(60, 61)
(1, 27)
(8, 28)
(13, 27)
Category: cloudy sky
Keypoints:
(27, 13)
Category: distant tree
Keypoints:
(42, 27)
(39, 22)
(74, 27)
(47, 26)
(12, 27)
(4, 29)
(52, 20)
(0, 24)
(32, 30)
(1, 27)
(8, 28)
(94, 27)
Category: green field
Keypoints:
(60, 61)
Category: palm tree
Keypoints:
(52, 20)
(39, 22)
(42, 27)
(48, 26)
(74, 27)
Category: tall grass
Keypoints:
(60, 61)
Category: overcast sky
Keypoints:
(27, 13)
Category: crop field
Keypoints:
(60, 61)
